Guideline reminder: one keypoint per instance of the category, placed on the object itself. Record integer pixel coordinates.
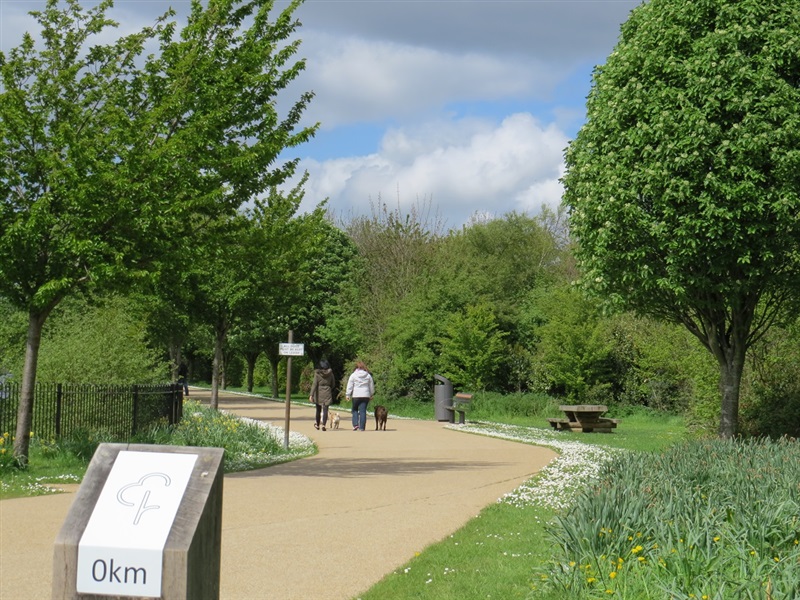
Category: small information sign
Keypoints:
(120, 552)
(290, 349)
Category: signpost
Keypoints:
(289, 350)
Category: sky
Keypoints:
(459, 110)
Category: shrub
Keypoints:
(496, 406)
(83, 441)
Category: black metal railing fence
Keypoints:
(60, 409)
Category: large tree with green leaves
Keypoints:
(683, 184)
(105, 153)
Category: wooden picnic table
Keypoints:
(584, 417)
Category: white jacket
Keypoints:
(360, 385)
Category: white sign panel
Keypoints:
(120, 552)
(290, 349)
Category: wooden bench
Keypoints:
(461, 404)
(584, 418)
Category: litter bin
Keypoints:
(442, 397)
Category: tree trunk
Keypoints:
(730, 378)
(26, 396)
(274, 368)
(217, 364)
(175, 359)
(729, 347)
(251, 358)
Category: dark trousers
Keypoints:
(322, 410)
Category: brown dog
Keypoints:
(381, 415)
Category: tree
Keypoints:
(285, 247)
(472, 347)
(683, 184)
(102, 342)
(106, 155)
(573, 343)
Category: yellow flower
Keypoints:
(636, 549)
(590, 579)
(612, 575)
(572, 563)
(609, 592)
(642, 559)
(716, 538)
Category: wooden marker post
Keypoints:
(146, 523)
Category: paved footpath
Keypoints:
(293, 531)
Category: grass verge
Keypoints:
(504, 551)
(248, 444)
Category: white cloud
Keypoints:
(460, 167)
(358, 80)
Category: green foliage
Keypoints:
(414, 284)
(110, 160)
(99, 343)
(574, 350)
(7, 458)
(771, 395)
(662, 366)
(683, 185)
(512, 408)
(247, 445)
(714, 519)
(13, 325)
(472, 347)
(83, 442)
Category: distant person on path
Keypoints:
(322, 392)
(5, 376)
(183, 377)
(360, 389)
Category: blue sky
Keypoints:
(462, 105)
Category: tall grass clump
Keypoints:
(710, 519)
(248, 444)
(512, 408)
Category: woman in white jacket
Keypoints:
(360, 389)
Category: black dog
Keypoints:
(380, 417)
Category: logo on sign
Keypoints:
(134, 493)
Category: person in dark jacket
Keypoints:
(183, 377)
(322, 392)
